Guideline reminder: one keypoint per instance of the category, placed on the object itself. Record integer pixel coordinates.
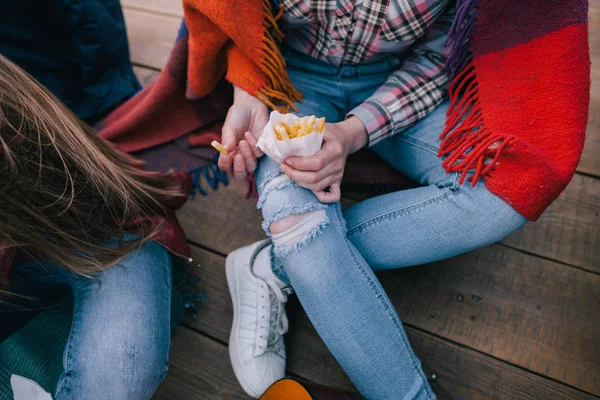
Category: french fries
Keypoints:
(219, 147)
(321, 124)
(304, 126)
(282, 133)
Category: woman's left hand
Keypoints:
(326, 168)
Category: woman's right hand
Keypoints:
(243, 126)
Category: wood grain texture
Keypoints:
(169, 7)
(530, 312)
(199, 369)
(223, 220)
(590, 159)
(151, 37)
(461, 373)
(569, 230)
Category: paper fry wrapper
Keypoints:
(279, 150)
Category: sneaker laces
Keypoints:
(278, 322)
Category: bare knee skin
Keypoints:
(296, 228)
(286, 223)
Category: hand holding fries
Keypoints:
(322, 172)
(243, 125)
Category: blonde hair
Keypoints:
(65, 193)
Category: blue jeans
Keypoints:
(331, 265)
(120, 335)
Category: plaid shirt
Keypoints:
(353, 32)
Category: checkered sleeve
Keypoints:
(413, 91)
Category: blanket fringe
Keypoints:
(280, 94)
(467, 143)
(212, 174)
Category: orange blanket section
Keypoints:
(238, 38)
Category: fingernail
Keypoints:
(289, 162)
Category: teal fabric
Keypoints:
(35, 350)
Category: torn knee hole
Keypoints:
(286, 223)
(296, 228)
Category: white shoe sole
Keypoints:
(233, 349)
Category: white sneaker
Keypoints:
(256, 346)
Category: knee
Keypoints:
(492, 218)
(294, 231)
(143, 364)
(504, 221)
(293, 216)
(120, 353)
(137, 351)
(122, 370)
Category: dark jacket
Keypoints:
(76, 48)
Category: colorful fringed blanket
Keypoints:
(519, 97)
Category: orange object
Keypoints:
(292, 389)
(286, 389)
(239, 39)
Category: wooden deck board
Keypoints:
(169, 7)
(569, 230)
(199, 369)
(145, 75)
(590, 159)
(150, 36)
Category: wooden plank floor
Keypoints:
(514, 320)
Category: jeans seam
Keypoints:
(386, 305)
(422, 145)
(68, 355)
(402, 211)
(169, 260)
(276, 270)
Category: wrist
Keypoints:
(241, 97)
(355, 132)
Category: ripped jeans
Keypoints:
(330, 257)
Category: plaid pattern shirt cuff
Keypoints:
(376, 118)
